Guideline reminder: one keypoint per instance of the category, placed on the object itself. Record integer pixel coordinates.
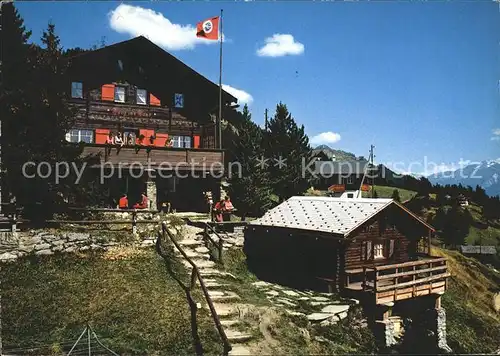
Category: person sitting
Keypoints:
(228, 206)
(218, 209)
(109, 139)
(144, 202)
(118, 139)
(130, 140)
(123, 202)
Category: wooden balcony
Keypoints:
(167, 158)
(390, 283)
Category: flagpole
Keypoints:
(220, 84)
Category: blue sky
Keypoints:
(415, 79)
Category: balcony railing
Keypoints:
(167, 158)
(390, 283)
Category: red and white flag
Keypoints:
(208, 29)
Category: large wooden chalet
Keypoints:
(164, 111)
(374, 249)
(343, 179)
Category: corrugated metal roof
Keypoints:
(322, 214)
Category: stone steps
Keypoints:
(226, 297)
(237, 336)
(239, 350)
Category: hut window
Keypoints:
(141, 97)
(378, 251)
(350, 180)
(76, 136)
(77, 90)
(119, 94)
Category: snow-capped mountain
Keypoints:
(485, 174)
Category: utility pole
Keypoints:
(265, 120)
(371, 167)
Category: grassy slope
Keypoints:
(132, 304)
(473, 325)
(386, 192)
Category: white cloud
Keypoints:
(136, 21)
(242, 96)
(325, 138)
(496, 135)
(280, 45)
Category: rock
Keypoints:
(84, 248)
(318, 316)
(294, 313)
(286, 302)
(77, 236)
(202, 249)
(239, 350)
(215, 293)
(237, 336)
(305, 334)
(291, 293)
(42, 247)
(57, 243)
(320, 299)
(335, 309)
(315, 304)
(272, 293)
(70, 249)
(57, 248)
(44, 252)
(96, 247)
(261, 284)
(303, 298)
(7, 256)
(50, 238)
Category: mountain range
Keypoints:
(486, 174)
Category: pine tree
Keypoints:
(249, 188)
(35, 126)
(287, 145)
(395, 195)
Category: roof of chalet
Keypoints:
(340, 167)
(141, 58)
(339, 216)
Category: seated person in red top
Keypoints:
(144, 202)
(228, 206)
(219, 207)
(123, 202)
(109, 139)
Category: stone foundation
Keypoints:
(439, 322)
(387, 332)
(151, 192)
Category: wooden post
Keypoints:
(396, 285)
(429, 243)
(221, 246)
(364, 278)
(414, 278)
(438, 302)
(134, 222)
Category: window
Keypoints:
(350, 195)
(181, 141)
(141, 97)
(350, 180)
(119, 94)
(77, 90)
(378, 251)
(76, 136)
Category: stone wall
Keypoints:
(47, 243)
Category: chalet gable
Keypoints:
(141, 62)
(337, 216)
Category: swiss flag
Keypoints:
(208, 29)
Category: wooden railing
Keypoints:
(213, 245)
(156, 156)
(195, 274)
(406, 280)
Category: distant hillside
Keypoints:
(485, 174)
(339, 155)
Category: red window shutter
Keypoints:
(196, 143)
(153, 100)
(161, 139)
(108, 92)
(101, 135)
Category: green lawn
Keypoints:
(386, 192)
(132, 303)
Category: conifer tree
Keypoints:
(288, 151)
(249, 187)
(395, 195)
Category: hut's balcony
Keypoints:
(151, 157)
(393, 282)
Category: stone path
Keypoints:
(225, 302)
(317, 307)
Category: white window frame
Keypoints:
(80, 134)
(378, 251)
(181, 141)
(145, 97)
(350, 180)
(119, 89)
(187, 141)
(77, 90)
